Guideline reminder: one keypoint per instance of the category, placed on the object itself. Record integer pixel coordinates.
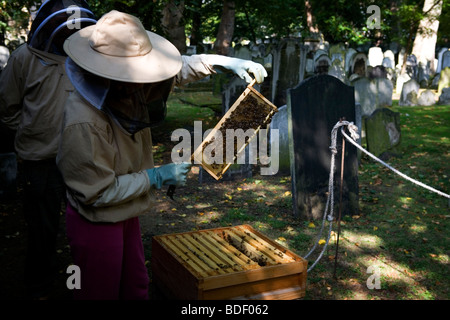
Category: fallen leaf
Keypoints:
(281, 238)
(322, 241)
(311, 225)
(189, 207)
(375, 228)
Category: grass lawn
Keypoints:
(402, 230)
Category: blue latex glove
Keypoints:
(169, 174)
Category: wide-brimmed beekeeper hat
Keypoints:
(118, 47)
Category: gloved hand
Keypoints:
(240, 67)
(169, 174)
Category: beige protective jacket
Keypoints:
(33, 90)
(103, 165)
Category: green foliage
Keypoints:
(339, 21)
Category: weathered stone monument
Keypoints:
(444, 98)
(427, 98)
(289, 64)
(383, 132)
(280, 123)
(375, 56)
(314, 107)
(372, 94)
(410, 92)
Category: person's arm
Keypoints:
(196, 67)
(85, 159)
(12, 82)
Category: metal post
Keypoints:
(340, 206)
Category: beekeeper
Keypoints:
(33, 90)
(123, 75)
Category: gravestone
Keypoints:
(445, 60)
(358, 65)
(322, 62)
(423, 74)
(427, 98)
(377, 72)
(410, 92)
(337, 71)
(337, 52)
(444, 79)
(440, 58)
(8, 175)
(372, 94)
(375, 56)
(412, 66)
(444, 98)
(349, 54)
(388, 59)
(289, 64)
(400, 81)
(315, 106)
(383, 132)
(280, 123)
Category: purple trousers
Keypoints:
(110, 257)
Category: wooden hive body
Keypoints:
(226, 263)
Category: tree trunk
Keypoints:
(226, 28)
(425, 42)
(196, 36)
(173, 24)
(310, 21)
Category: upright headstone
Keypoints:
(280, 122)
(337, 52)
(445, 59)
(444, 79)
(383, 132)
(373, 94)
(349, 54)
(444, 98)
(358, 65)
(427, 98)
(322, 62)
(440, 58)
(412, 66)
(337, 71)
(314, 107)
(401, 79)
(288, 68)
(375, 56)
(410, 93)
(388, 59)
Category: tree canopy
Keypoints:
(339, 21)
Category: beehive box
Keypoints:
(250, 111)
(226, 263)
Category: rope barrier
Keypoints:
(353, 129)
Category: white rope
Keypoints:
(393, 169)
(330, 199)
(353, 129)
